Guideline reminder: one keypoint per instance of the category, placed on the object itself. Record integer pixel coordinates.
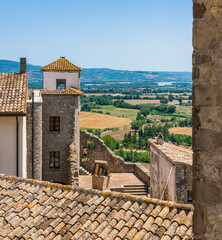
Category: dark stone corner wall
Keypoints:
(207, 119)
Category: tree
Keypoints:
(164, 100)
(172, 109)
(86, 108)
(170, 97)
(110, 142)
(135, 125)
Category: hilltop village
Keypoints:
(60, 182)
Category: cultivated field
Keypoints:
(185, 109)
(142, 101)
(102, 94)
(119, 134)
(96, 120)
(119, 112)
(181, 130)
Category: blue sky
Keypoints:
(119, 34)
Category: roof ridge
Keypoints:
(23, 74)
(61, 65)
(118, 195)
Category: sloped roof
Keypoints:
(61, 65)
(175, 154)
(13, 93)
(68, 91)
(33, 209)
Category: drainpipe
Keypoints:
(33, 135)
(17, 146)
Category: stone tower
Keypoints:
(53, 125)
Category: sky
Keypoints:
(119, 34)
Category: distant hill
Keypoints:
(100, 75)
(34, 72)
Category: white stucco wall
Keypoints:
(8, 145)
(22, 147)
(49, 79)
(8, 148)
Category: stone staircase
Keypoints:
(140, 189)
(83, 171)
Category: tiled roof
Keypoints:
(175, 154)
(13, 93)
(68, 91)
(32, 209)
(61, 65)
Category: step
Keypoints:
(135, 185)
(84, 170)
(134, 190)
(139, 187)
(139, 193)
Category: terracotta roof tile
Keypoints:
(13, 93)
(55, 211)
(68, 91)
(61, 65)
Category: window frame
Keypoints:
(189, 196)
(52, 159)
(60, 81)
(54, 126)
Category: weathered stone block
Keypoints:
(211, 35)
(199, 10)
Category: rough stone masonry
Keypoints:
(207, 119)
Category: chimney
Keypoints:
(22, 65)
(160, 139)
(101, 176)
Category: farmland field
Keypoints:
(185, 109)
(142, 101)
(119, 112)
(95, 120)
(119, 134)
(181, 130)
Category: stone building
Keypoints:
(170, 171)
(53, 125)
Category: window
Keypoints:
(60, 83)
(54, 123)
(90, 145)
(54, 159)
(189, 196)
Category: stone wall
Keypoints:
(65, 107)
(37, 141)
(29, 138)
(184, 177)
(160, 170)
(179, 178)
(102, 152)
(207, 119)
(116, 164)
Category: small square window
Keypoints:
(60, 83)
(189, 196)
(54, 123)
(90, 145)
(54, 159)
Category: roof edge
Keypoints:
(168, 158)
(110, 194)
